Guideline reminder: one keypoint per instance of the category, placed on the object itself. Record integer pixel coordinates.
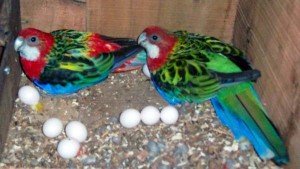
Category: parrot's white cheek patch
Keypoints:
(152, 50)
(29, 53)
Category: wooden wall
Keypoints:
(267, 30)
(270, 33)
(130, 17)
(49, 15)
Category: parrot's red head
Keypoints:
(33, 45)
(158, 43)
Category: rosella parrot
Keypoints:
(65, 61)
(188, 67)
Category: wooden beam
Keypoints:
(9, 68)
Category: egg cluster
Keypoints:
(149, 115)
(76, 133)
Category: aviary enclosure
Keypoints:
(268, 31)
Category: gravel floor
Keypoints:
(197, 140)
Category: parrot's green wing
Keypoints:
(199, 66)
(222, 57)
(77, 70)
(69, 60)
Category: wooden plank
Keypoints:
(130, 17)
(9, 69)
(50, 15)
(1, 3)
(269, 32)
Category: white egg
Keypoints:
(146, 71)
(52, 127)
(150, 115)
(68, 148)
(76, 130)
(169, 115)
(29, 95)
(130, 118)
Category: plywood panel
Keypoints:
(130, 17)
(49, 15)
(269, 32)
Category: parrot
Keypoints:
(64, 61)
(192, 68)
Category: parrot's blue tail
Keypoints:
(244, 115)
(124, 54)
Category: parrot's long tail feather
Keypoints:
(125, 53)
(132, 64)
(228, 78)
(244, 114)
(120, 41)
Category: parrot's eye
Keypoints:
(154, 37)
(33, 39)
